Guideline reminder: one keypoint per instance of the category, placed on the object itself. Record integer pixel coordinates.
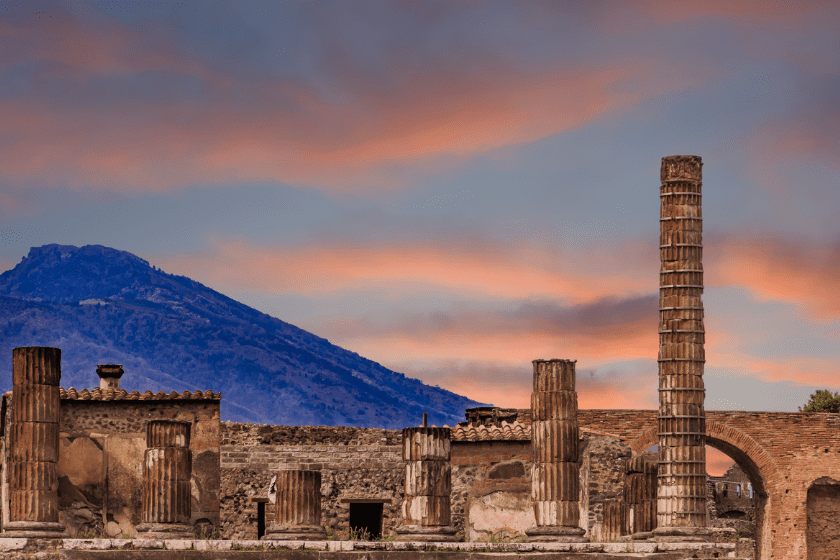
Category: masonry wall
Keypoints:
(100, 466)
(356, 464)
(491, 489)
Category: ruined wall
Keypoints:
(491, 485)
(356, 464)
(100, 466)
(602, 474)
(491, 489)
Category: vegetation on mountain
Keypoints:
(101, 305)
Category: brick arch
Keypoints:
(732, 441)
(753, 459)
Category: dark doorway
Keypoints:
(260, 519)
(366, 521)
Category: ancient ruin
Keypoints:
(167, 469)
(428, 485)
(554, 475)
(106, 466)
(33, 431)
(681, 493)
(297, 507)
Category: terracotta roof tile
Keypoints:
(123, 395)
(509, 431)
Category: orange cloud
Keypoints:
(286, 131)
(472, 267)
(797, 271)
(509, 384)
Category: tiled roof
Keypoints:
(123, 395)
(509, 431)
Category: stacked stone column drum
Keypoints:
(555, 486)
(167, 468)
(297, 507)
(681, 492)
(33, 437)
(640, 497)
(428, 485)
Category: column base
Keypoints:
(682, 534)
(556, 534)
(642, 536)
(420, 533)
(165, 531)
(294, 533)
(34, 530)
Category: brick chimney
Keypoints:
(109, 376)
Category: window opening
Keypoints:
(366, 520)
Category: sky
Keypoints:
(451, 189)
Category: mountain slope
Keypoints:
(101, 305)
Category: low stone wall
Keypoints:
(356, 464)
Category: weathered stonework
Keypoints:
(555, 485)
(640, 495)
(681, 494)
(426, 452)
(297, 507)
(356, 464)
(33, 444)
(167, 469)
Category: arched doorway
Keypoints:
(751, 458)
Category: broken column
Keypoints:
(640, 497)
(167, 468)
(681, 494)
(33, 438)
(428, 485)
(297, 507)
(555, 488)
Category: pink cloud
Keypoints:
(798, 271)
(287, 132)
(469, 266)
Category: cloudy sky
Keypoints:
(452, 189)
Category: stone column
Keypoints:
(681, 493)
(615, 520)
(555, 486)
(33, 438)
(640, 497)
(297, 507)
(428, 485)
(167, 468)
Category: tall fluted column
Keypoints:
(428, 485)
(681, 493)
(640, 497)
(167, 468)
(33, 438)
(555, 486)
(297, 507)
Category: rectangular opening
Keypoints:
(260, 519)
(366, 520)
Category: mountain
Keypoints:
(101, 305)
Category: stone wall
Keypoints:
(491, 489)
(603, 462)
(356, 464)
(100, 466)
